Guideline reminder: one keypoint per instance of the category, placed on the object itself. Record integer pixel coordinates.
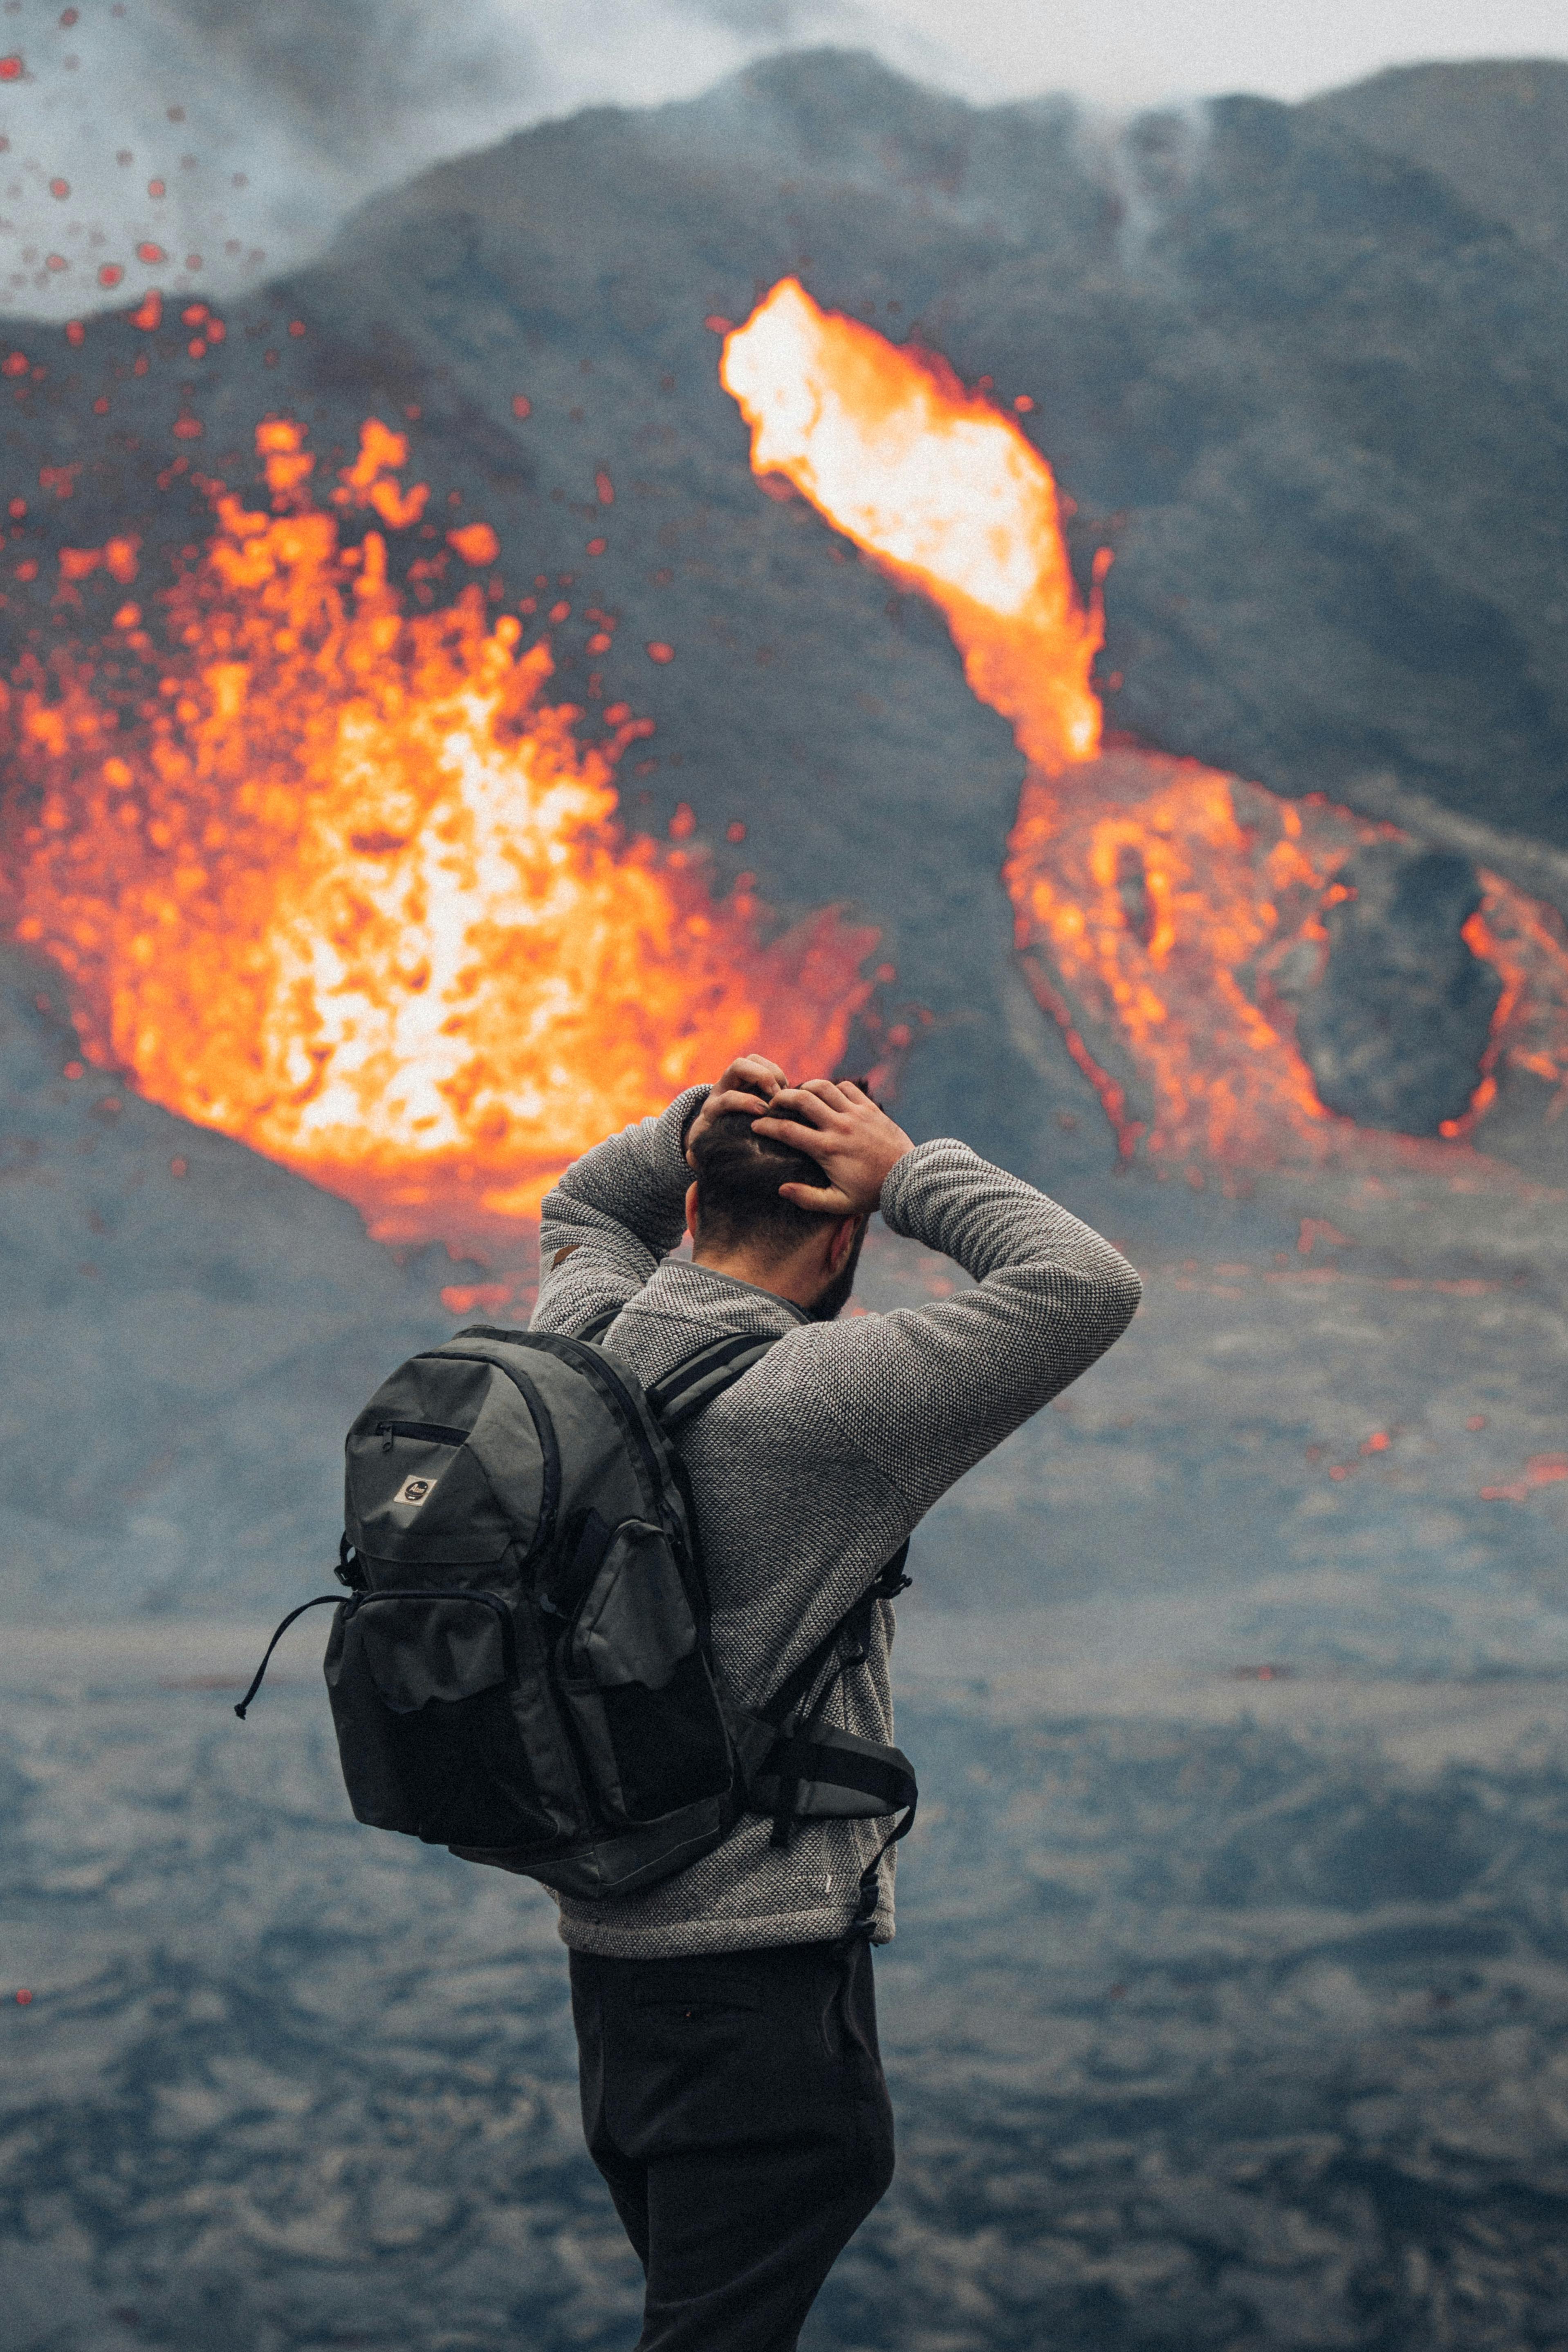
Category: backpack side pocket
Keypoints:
(636, 1685)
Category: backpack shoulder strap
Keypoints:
(703, 1375)
(794, 1754)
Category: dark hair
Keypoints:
(738, 1176)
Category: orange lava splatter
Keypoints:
(1541, 1470)
(476, 542)
(345, 886)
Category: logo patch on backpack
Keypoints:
(415, 1491)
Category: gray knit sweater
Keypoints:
(812, 1469)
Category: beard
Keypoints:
(831, 1301)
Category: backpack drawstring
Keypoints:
(321, 1599)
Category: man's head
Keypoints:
(739, 1218)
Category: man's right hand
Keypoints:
(837, 1125)
(749, 1083)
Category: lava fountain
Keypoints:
(1165, 913)
(338, 880)
(947, 495)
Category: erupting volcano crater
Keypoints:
(339, 881)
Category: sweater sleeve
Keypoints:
(614, 1214)
(923, 1393)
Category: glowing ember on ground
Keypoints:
(338, 881)
(1156, 900)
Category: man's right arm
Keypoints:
(924, 1393)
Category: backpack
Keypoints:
(521, 1667)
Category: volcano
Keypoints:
(430, 737)
(1335, 549)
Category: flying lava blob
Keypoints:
(336, 879)
(1166, 914)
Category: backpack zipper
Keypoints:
(543, 1429)
(433, 1432)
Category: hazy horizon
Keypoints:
(203, 148)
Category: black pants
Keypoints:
(737, 2108)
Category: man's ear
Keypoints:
(843, 1243)
(691, 1212)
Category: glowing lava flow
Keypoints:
(343, 885)
(1163, 910)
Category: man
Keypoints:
(733, 2091)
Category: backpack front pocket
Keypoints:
(632, 1673)
(425, 1646)
(633, 1624)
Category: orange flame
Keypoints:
(346, 886)
(948, 495)
(1157, 903)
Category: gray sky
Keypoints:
(241, 131)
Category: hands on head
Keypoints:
(738, 1227)
(748, 1085)
(855, 1143)
(833, 1121)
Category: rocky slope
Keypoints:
(188, 1330)
(1307, 390)
(1495, 129)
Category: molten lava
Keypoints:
(947, 495)
(1160, 905)
(338, 881)
(1162, 911)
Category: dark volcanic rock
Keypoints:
(1395, 1029)
(1308, 387)
(1495, 127)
